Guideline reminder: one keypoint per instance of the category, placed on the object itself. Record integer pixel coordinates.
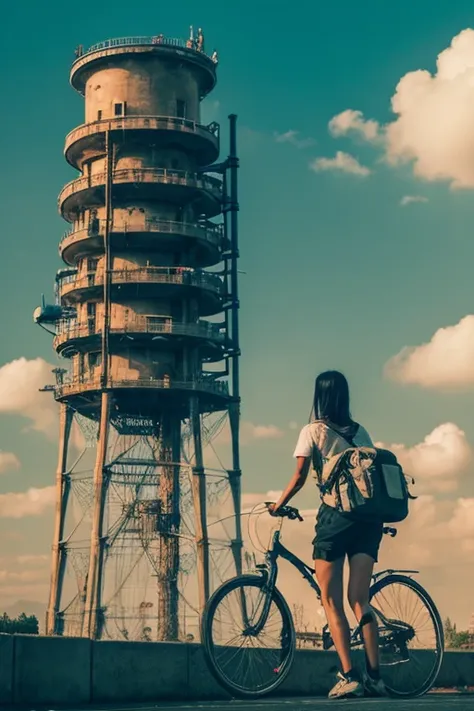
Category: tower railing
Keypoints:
(174, 123)
(155, 275)
(78, 385)
(144, 175)
(207, 231)
(142, 41)
(144, 325)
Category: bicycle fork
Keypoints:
(252, 630)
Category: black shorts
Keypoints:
(338, 535)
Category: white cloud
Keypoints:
(23, 576)
(350, 121)
(341, 162)
(410, 199)
(461, 524)
(8, 462)
(446, 361)
(20, 381)
(293, 138)
(436, 463)
(33, 560)
(433, 128)
(251, 431)
(435, 117)
(33, 502)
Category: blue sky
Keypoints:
(338, 274)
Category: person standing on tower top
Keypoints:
(191, 41)
(200, 41)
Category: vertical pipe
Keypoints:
(92, 610)
(107, 258)
(92, 624)
(225, 220)
(234, 408)
(233, 163)
(199, 499)
(168, 528)
(62, 489)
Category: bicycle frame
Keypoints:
(269, 571)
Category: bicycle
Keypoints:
(407, 669)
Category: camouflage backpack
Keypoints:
(366, 482)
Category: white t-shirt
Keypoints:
(318, 439)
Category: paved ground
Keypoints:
(432, 702)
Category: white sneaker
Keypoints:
(346, 687)
(375, 687)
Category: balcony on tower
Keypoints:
(162, 332)
(144, 282)
(204, 238)
(88, 141)
(142, 183)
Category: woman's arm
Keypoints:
(297, 482)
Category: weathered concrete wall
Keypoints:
(150, 88)
(457, 670)
(51, 669)
(139, 671)
(6, 668)
(61, 670)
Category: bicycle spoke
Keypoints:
(244, 659)
(409, 636)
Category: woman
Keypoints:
(338, 535)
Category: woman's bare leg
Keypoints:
(330, 578)
(361, 568)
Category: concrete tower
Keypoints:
(146, 316)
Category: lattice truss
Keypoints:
(150, 577)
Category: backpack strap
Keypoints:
(349, 440)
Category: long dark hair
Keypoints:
(331, 398)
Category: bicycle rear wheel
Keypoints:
(245, 663)
(411, 635)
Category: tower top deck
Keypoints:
(115, 50)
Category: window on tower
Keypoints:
(120, 108)
(99, 115)
(180, 108)
(95, 360)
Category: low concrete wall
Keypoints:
(139, 671)
(51, 670)
(456, 670)
(61, 670)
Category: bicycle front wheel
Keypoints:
(411, 635)
(246, 660)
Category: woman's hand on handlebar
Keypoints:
(283, 511)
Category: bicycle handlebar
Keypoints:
(286, 512)
(293, 514)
